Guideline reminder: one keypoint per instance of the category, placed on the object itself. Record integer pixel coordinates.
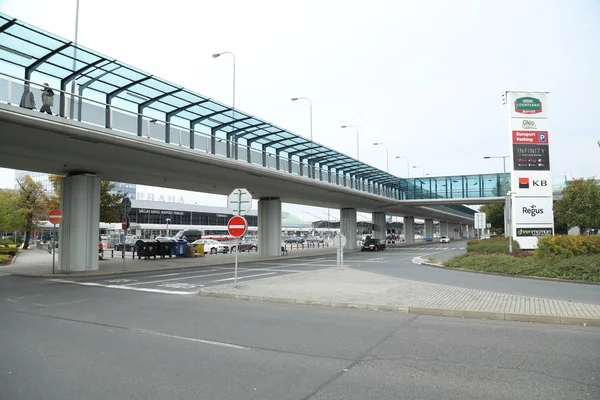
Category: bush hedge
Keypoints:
(583, 267)
(568, 246)
(5, 259)
(494, 245)
(10, 251)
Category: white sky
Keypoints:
(424, 77)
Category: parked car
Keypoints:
(313, 239)
(128, 246)
(190, 235)
(212, 246)
(244, 246)
(444, 239)
(293, 240)
(373, 245)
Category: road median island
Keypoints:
(560, 257)
(343, 287)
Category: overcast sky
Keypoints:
(425, 77)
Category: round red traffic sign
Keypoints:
(124, 223)
(237, 226)
(55, 217)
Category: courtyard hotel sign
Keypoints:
(160, 197)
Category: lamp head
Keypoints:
(375, 144)
(294, 98)
(345, 126)
(216, 55)
(487, 157)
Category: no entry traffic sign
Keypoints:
(55, 217)
(125, 223)
(237, 226)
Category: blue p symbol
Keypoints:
(542, 138)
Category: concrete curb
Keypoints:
(162, 269)
(539, 278)
(438, 312)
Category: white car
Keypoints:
(444, 239)
(212, 246)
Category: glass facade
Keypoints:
(192, 218)
(450, 187)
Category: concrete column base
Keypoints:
(79, 232)
(409, 230)
(348, 227)
(269, 227)
(379, 228)
(428, 229)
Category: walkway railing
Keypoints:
(93, 112)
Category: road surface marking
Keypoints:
(243, 277)
(120, 280)
(180, 285)
(211, 342)
(177, 279)
(122, 287)
(59, 304)
(15, 299)
(179, 273)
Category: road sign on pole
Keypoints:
(237, 227)
(125, 223)
(339, 242)
(239, 202)
(55, 217)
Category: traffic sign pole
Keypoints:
(53, 248)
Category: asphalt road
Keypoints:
(397, 262)
(64, 341)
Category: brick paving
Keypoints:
(353, 287)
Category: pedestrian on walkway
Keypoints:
(27, 100)
(47, 99)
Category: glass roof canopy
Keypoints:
(38, 51)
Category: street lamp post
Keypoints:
(216, 55)
(422, 170)
(503, 160)
(168, 220)
(357, 143)
(311, 171)
(72, 103)
(407, 165)
(387, 153)
(311, 118)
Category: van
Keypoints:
(191, 235)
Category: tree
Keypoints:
(109, 201)
(494, 214)
(11, 219)
(32, 205)
(580, 205)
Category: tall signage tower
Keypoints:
(531, 180)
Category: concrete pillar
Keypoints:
(348, 227)
(379, 228)
(443, 228)
(428, 229)
(409, 230)
(79, 232)
(269, 226)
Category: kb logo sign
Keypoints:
(524, 183)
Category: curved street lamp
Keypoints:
(311, 119)
(357, 145)
(407, 166)
(216, 55)
(387, 158)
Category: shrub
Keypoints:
(495, 245)
(568, 246)
(8, 251)
(5, 259)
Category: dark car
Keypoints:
(294, 240)
(128, 246)
(191, 235)
(373, 245)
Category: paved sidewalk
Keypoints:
(349, 288)
(38, 263)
